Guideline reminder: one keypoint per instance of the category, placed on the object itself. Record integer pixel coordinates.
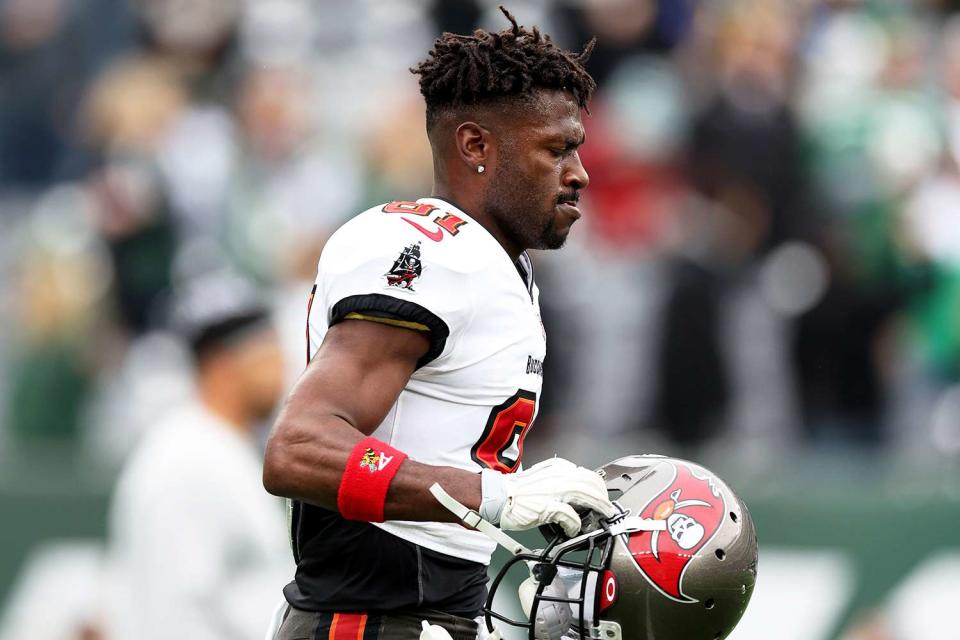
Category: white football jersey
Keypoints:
(474, 395)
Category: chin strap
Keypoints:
(631, 524)
(473, 520)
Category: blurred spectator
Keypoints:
(837, 347)
(197, 546)
(931, 235)
(624, 28)
(133, 217)
(873, 135)
(290, 187)
(743, 161)
(58, 298)
(49, 51)
(396, 151)
(129, 112)
(197, 38)
(636, 130)
(744, 150)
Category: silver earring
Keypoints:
(481, 169)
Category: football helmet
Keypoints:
(678, 561)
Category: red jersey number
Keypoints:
(416, 208)
(447, 222)
(501, 446)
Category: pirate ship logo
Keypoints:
(406, 268)
(693, 507)
(373, 461)
(370, 460)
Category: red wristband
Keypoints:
(363, 487)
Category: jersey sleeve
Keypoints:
(376, 268)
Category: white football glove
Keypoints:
(544, 493)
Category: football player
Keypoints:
(425, 356)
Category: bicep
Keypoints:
(354, 379)
(359, 371)
(348, 388)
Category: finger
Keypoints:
(587, 493)
(596, 503)
(607, 509)
(564, 515)
(600, 504)
(606, 506)
(594, 478)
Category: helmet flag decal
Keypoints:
(693, 507)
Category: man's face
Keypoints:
(258, 369)
(533, 191)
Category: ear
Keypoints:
(475, 145)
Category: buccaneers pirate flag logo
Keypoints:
(406, 268)
(693, 507)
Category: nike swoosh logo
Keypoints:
(436, 236)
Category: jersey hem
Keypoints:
(419, 539)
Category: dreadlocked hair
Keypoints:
(467, 70)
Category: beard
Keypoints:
(526, 216)
(551, 237)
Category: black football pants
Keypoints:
(398, 625)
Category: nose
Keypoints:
(575, 176)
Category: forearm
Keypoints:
(409, 496)
(352, 382)
(306, 458)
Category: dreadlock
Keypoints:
(466, 70)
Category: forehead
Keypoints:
(548, 112)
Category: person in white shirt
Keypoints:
(199, 550)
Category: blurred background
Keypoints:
(766, 278)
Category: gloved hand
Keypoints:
(544, 493)
(434, 632)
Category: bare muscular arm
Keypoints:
(352, 381)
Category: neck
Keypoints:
(471, 203)
(225, 403)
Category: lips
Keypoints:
(569, 209)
